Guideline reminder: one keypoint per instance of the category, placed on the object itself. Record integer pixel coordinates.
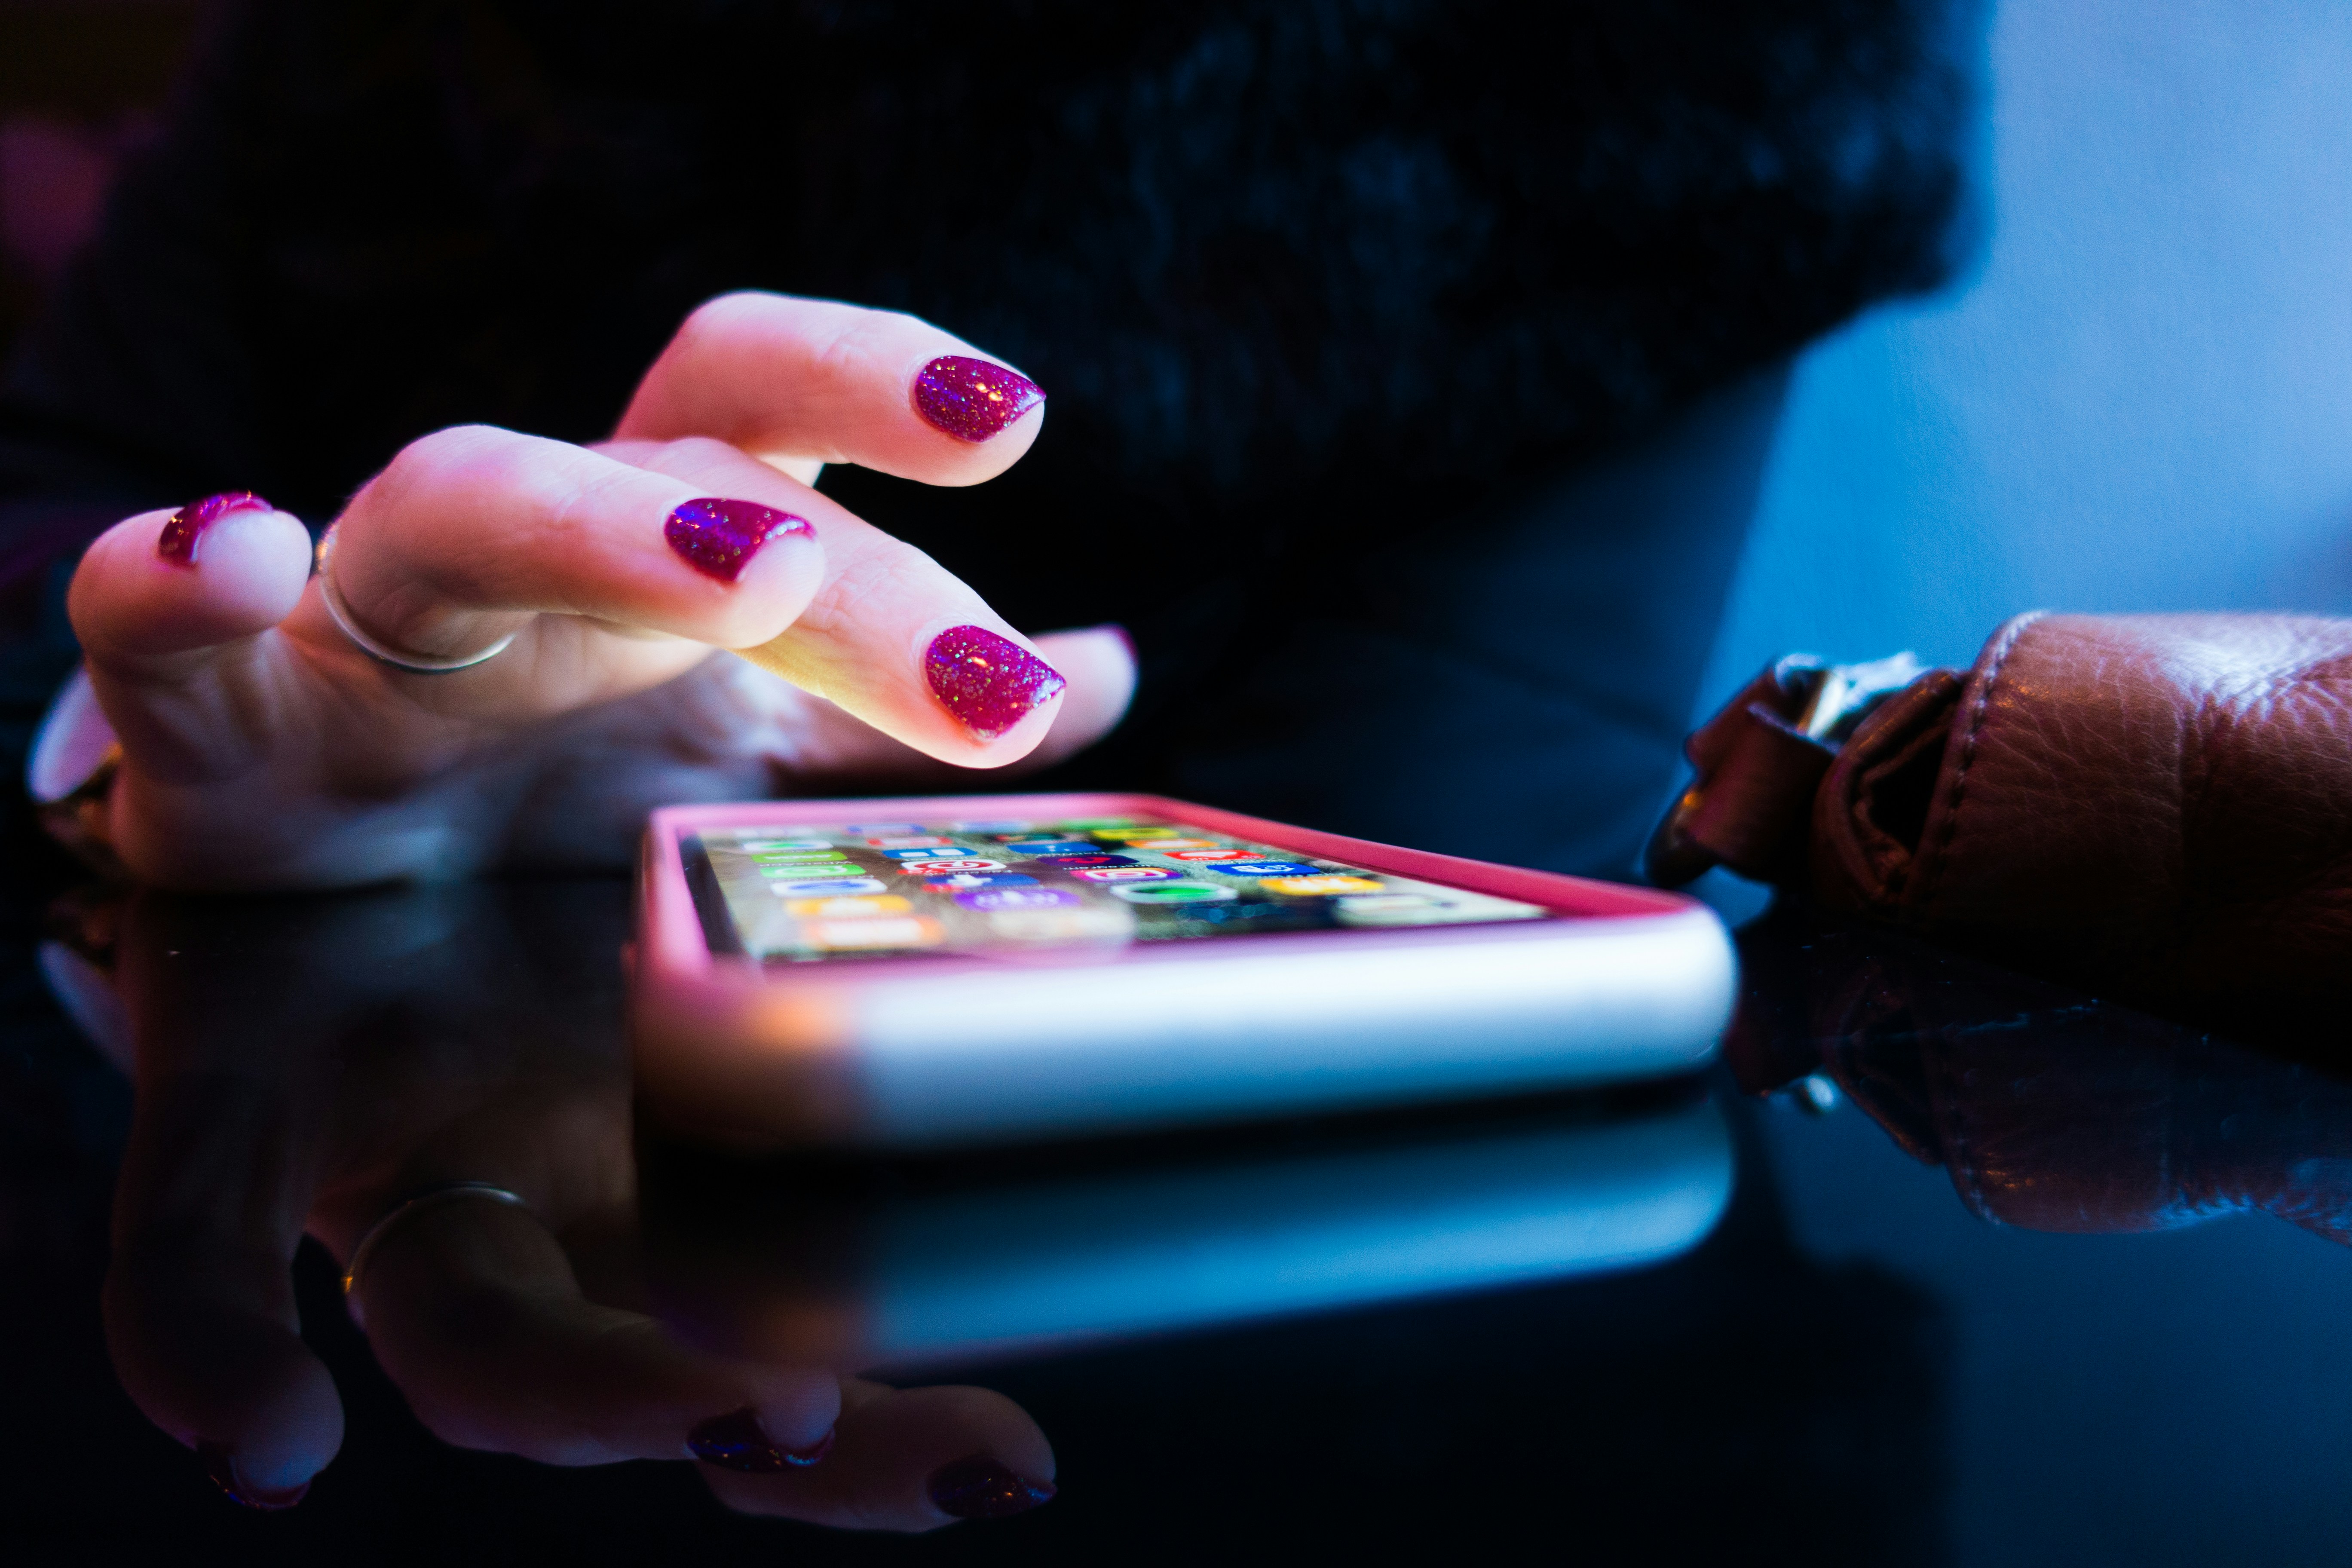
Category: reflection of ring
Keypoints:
(375, 650)
(432, 1197)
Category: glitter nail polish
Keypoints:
(972, 399)
(736, 1441)
(979, 1488)
(717, 537)
(184, 530)
(989, 683)
(222, 1467)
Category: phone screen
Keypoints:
(801, 894)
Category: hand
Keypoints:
(262, 747)
(305, 1065)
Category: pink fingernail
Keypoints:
(184, 530)
(717, 537)
(979, 1488)
(972, 399)
(736, 1441)
(988, 682)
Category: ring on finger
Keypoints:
(413, 664)
(430, 1198)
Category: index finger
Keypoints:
(785, 378)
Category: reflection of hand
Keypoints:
(306, 1066)
(262, 747)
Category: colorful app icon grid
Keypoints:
(865, 891)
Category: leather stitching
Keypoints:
(1933, 883)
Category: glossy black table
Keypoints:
(1943, 1265)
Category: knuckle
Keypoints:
(721, 317)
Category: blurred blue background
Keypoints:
(2138, 396)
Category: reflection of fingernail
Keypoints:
(986, 680)
(979, 1488)
(717, 537)
(186, 527)
(736, 1441)
(222, 1467)
(972, 399)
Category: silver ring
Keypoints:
(431, 1197)
(341, 614)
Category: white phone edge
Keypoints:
(1230, 1032)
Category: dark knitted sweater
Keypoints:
(1338, 302)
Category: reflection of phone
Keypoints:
(973, 969)
(896, 1267)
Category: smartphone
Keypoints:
(932, 973)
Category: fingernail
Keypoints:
(987, 682)
(736, 1441)
(979, 1488)
(184, 530)
(717, 537)
(222, 1467)
(972, 399)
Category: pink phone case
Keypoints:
(941, 1050)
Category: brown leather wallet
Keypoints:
(2158, 806)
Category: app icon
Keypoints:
(1387, 903)
(1326, 885)
(1264, 868)
(1084, 824)
(1128, 873)
(950, 883)
(1062, 925)
(826, 887)
(847, 908)
(1122, 833)
(929, 852)
(1207, 855)
(1420, 909)
(910, 841)
(995, 896)
(1173, 893)
(1073, 861)
(931, 868)
(1052, 846)
(836, 936)
(769, 846)
(1165, 846)
(861, 828)
(1268, 914)
(786, 865)
(986, 826)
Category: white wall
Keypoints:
(2142, 400)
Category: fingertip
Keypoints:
(789, 1425)
(797, 381)
(992, 411)
(227, 1380)
(759, 565)
(913, 1460)
(163, 583)
(1002, 695)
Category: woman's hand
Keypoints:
(306, 1066)
(264, 747)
